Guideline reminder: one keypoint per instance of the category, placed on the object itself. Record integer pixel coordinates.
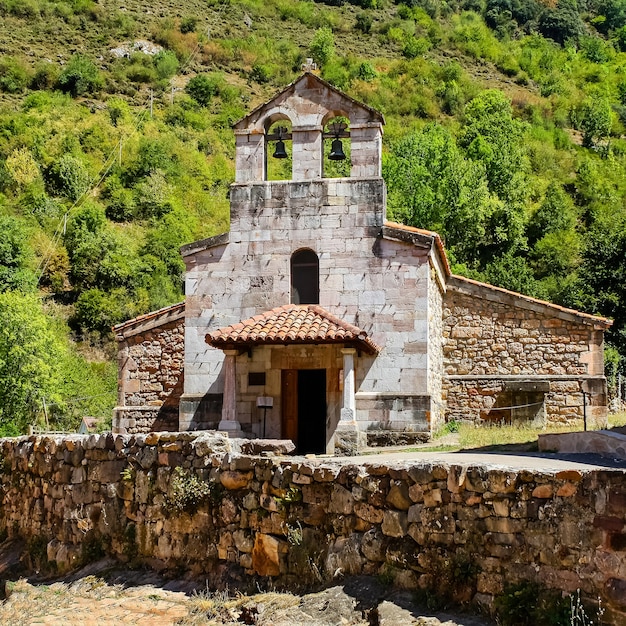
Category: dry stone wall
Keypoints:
(203, 505)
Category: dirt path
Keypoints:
(143, 599)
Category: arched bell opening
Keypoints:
(336, 161)
(278, 149)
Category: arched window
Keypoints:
(278, 152)
(305, 277)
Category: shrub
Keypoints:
(79, 76)
(166, 64)
(14, 76)
(202, 89)
(69, 177)
(45, 77)
(188, 24)
(364, 22)
(415, 46)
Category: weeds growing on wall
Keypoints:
(532, 605)
(187, 492)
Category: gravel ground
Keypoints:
(102, 594)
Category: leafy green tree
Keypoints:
(99, 311)
(202, 89)
(595, 119)
(556, 213)
(432, 186)
(80, 76)
(15, 255)
(562, 23)
(29, 353)
(69, 177)
(322, 47)
(493, 136)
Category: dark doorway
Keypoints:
(304, 409)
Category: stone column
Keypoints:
(348, 411)
(229, 422)
(347, 438)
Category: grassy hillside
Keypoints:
(504, 132)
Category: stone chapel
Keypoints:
(316, 319)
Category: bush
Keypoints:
(98, 311)
(46, 76)
(80, 76)
(69, 177)
(202, 89)
(364, 22)
(166, 64)
(188, 24)
(415, 46)
(14, 76)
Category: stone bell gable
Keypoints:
(308, 104)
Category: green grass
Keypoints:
(523, 437)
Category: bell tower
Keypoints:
(308, 105)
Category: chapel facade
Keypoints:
(318, 320)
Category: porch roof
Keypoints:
(292, 324)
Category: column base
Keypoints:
(347, 438)
(232, 427)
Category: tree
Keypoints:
(431, 185)
(202, 89)
(595, 120)
(562, 23)
(29, 354)
(14, 255)
(80, 76)
(322, 47)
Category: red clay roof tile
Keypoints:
(292, 323)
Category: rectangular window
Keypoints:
(256, 379)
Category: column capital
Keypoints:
(231, 352)
(348, 350)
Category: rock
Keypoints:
(235, 480)
(277, 447)
(395, 523)
(266, 554)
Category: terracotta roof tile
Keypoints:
(292, 323)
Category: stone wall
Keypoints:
(196, 504)
(150, 380)
(502, 350)
(369, 276)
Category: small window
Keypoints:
(305, 270)
(256, 379)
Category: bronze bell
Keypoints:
(279, 150)
(336, 150)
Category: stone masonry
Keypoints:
(200, 505)
(150, 365)
(505, 350)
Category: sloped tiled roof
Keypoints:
(149, 320)
(292, 324)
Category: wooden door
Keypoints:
(289, 405)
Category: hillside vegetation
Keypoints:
(505, 123)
